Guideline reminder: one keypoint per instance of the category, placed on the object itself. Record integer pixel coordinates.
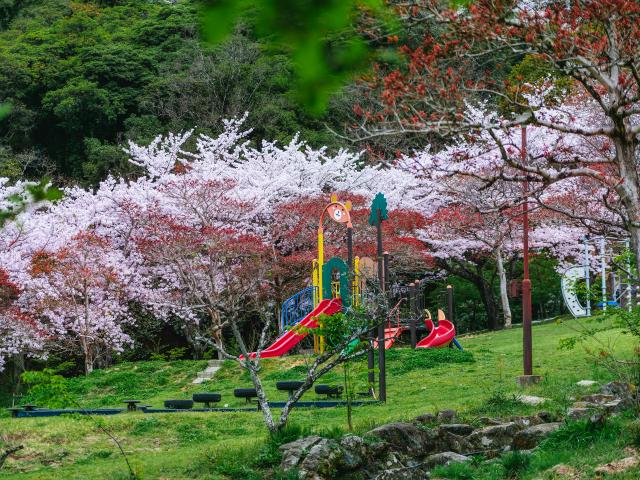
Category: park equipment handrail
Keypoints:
(297, 307)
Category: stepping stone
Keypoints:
(531, 400)
(586, 383)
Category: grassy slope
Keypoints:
(212, 445)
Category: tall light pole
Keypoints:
(528, 378)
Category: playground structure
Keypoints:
(329, 295)
(616, 285)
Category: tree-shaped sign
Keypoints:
(379, 203)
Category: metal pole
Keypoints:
(412, 319)
(587, 273)
(526, 281)
(603, 273)
(382, 374)
(450, 303)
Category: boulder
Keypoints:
(323, 461)
(619, 466)
(294, 452)
(525, 422)
(445, 458)
(406, 438)
(489, 421)
(446, 416)
(354, 451)
(623, 391)
(447, 441)
(532, 436)
(577, 413)
(586, 383)
(531, 400)
(427, 418)
(598, 398)
(494, 437)
(457, 428)
(397, 467)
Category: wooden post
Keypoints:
(450, 303)
(382, 375)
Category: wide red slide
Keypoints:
(390, 336)
(291, 338)
(440, 336)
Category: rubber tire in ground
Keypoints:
(329, 390)
(289, 386)
(206, 397)
(178, 404)
(245, 393)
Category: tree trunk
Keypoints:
(489, 301)
(504, 297)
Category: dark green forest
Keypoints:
(85, 77)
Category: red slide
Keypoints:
(390, 336)
(290, 339)
(440, 336)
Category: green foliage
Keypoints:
(5, 108)
(582, 433)
(455, 471)
(424, 358)
(515, 463)
(47, 388)
(501, 403)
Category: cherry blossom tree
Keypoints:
(81, 292)
(589, 49)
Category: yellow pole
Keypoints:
(356, 281)
(320, 260)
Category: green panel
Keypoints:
(336, 263)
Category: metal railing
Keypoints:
(295, 308)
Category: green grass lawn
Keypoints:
(232, 445)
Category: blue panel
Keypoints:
(295, 308)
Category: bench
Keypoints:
(178, 404)
(131, 404)
(289, 386)
(331, 391)
(206, 398)
(247, 393)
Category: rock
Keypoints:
(447, 416)
(354, 451)
(578, 413)
(322, 462)
(494, 437)
(447, 441)
(525, 422)
(619, 466)
(457, 428)
(621, 390)
(489, 421)
(545, 416)
(565, 471)
(294, 452)
(426, 418)
(614, 405)
(586, 383)
(445, 458)
(598, 398)
(531, 400)
(598, 418)
(407, 438)
(532, 436)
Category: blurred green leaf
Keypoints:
(5, 109)
(320, 36)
